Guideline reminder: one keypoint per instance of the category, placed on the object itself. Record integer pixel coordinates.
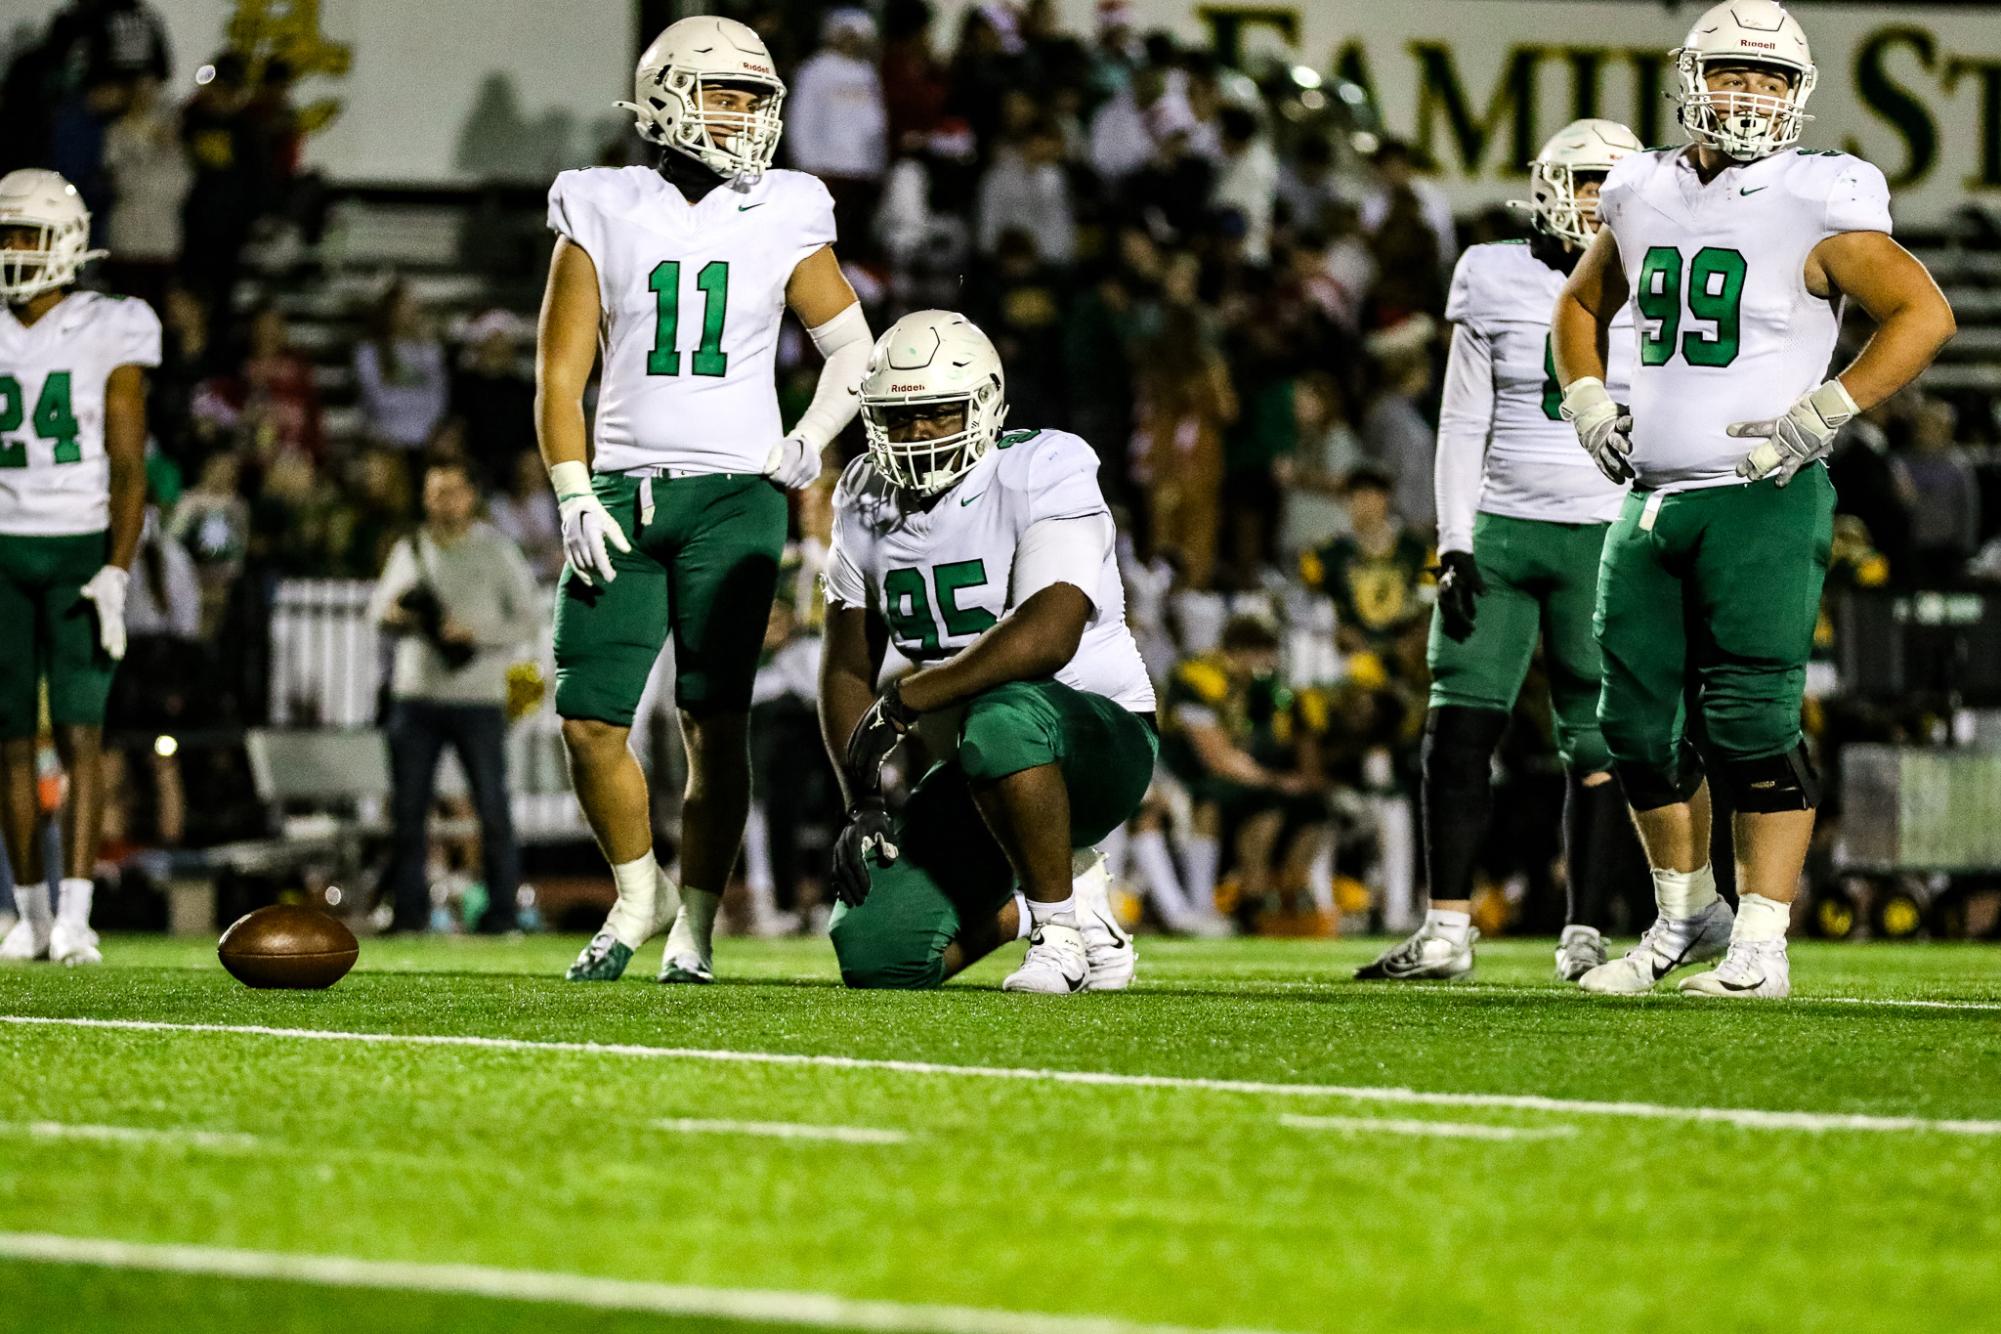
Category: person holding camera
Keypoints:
(459, 599)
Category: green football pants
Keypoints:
(51, 633)
(703, 567)
(949, 868)
(1720, 587)
(1542, 583)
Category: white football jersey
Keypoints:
(691, 298)
(940, 576)
(1502, 297)
(1727, 330)
(55, 478)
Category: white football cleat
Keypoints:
(1668, 944)
(1752, 968)
(23, 943)
(1580, 950)
(1108, 947)
(1423, 956)
(1056, 964)
(685, 966)
(73, 945)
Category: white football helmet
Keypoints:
(932, 357)
(1588, 145)
(46, 203)
(667, 95)
(1746, 126)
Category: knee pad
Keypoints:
(1783, 782)
(1651, 786)
(1459, 743)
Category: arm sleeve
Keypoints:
(844, 341)
(1062, 551)
(1858, 201)
(138, 334)
(1464, 419)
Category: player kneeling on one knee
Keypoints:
(987, 558)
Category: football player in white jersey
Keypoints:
(987, 558)
(72, 503)
(1522, 517)
(1736, 254)
(675, 280)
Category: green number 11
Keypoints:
(713, 280)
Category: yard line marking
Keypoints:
(208, 1139)
(535, 1285)
(1886, 1002)
(1432, 1129)
(784, 1130)
(1750, 1117)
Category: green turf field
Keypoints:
(1265, 1174)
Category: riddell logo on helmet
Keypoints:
(905, 388)
(1760, 46)
(756, 68)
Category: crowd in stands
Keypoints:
(1226, 286)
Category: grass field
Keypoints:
(1236, 1151)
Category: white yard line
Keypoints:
(1750, 1117)
(1376, 1125)
(207, 1139)
(535, 1285)
(1873, 1002)
(783, 1130)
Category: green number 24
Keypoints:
(1715, 293)
(54, 420)
(713, 281)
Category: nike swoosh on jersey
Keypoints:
(1753, 189)
(745, 208)
(967, 500)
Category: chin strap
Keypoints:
(845, 342)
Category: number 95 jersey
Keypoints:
(939, 576)
(1727, 329)
(690, 298)
(55, 478)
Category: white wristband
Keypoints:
(570, 479)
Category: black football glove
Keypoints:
(877, 734)
(1459, 585)
(866, 831)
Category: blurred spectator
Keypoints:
(1395, 433)
(150, 176)
(1019, 304)
(231, 169)
(400, 371)
(1257, 448)
(526, 515)
(76, 138)
(1327, 451)
(1376, 575)
(1247, 179)
(836, 124)
(493, 398)
(460, 601)
(1100, 374)
(293, 517)
(1306, 190)
(111, 41)
(913, 81)
(792, 791)
(275, 390)
(921, 223)
(1185, 402)
(374, 511)
(1027, 191)
(212, 521)
(1402, 200)
(161, 681)
(1945, 510)
(987, 62)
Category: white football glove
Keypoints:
(1604, 431)
(792, 463)
(587, 525)
(107, 589)
(1804, 434)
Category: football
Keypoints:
(285, 945)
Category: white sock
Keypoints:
(1024, 920)
(74, 909)
(1163, 882)
(32, 902)
(1760, 918)
(632, 917)
(1063, 911)
(1684, 894)
(1200, 854)
(1452, 926)
(695, 929)
(1320, 879)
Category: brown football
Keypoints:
(286, 945)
